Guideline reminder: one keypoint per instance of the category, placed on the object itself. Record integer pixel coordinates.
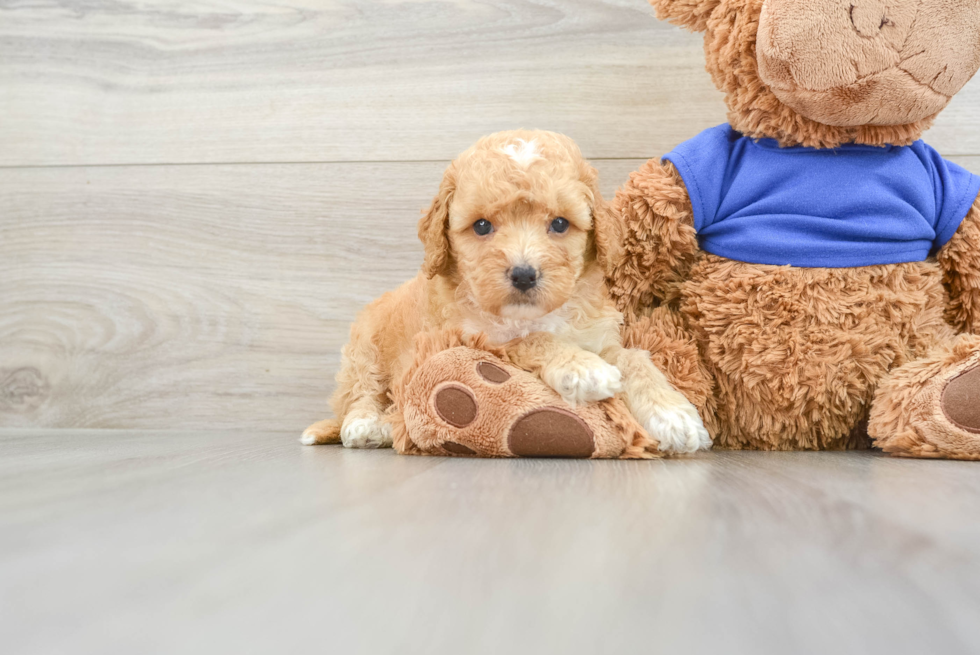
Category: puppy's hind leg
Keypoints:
(360, 399)
(663, 411)
(321, 432)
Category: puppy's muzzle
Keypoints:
(524, 278)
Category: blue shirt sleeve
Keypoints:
(956, 191)
(703, 163)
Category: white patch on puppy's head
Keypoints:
(523, 152)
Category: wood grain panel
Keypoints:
(354, 80)
(971, 164)
(190, 296)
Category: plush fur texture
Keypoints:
(495, 212)
(731, 33)
(908, 419)
(796, 353)
(875, 62)
(960, 261)
(806, 358)
(659, 242)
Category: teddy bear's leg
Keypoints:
(471, 402)
(930, 407)
(674, 351)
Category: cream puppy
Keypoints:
(517, 244)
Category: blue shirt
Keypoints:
(850, 206)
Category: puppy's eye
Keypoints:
(483, 227)
(559, 225)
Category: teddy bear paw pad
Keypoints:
(492, 373)
(456, 405)
(458, 448)
(961, 400)
(551, 432)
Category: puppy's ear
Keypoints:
(690, 14)
(607, 228)
(434, 228)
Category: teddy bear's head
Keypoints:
(825, 72)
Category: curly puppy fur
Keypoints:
(564, 327)
(790, 358)
(674, 351)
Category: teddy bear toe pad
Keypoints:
(551, 432)
(456, 405)
(492, 373)
(458, 448)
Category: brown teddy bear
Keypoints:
(820, 261)
(462, 396)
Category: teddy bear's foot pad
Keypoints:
(456, 405)
(931, 407)
(961, 400)
(469, 402)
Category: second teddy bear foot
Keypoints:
(931, 407)
(469, 401)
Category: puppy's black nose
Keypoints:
(524, 278)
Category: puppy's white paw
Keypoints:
(678, 428)
(308, 438)
(585, 378)
(365, 432)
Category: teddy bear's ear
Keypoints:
(691, 14)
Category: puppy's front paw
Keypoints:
(583, 378)
(678, 428)
(363, 431)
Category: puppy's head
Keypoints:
(517, 222)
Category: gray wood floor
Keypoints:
(245, 542)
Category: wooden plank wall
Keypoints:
(196, 197)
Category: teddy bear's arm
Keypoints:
(960, 261)
(660, 244)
